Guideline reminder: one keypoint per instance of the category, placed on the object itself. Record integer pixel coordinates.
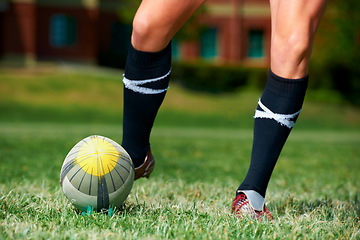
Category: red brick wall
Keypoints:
(263, 24)
(2, 34)
(20, 29)
(86, 44)
(234, 29)
(190, 50)
(26, 29)
(229, 36)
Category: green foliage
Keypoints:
(127, 10)
(81, 94)
(336, 57)
(339, 33)
(210, 77)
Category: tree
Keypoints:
(337, 47)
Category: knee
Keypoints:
(148, 34)
(290, 54)
(141, 29)
(294, 47)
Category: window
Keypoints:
(62, 30)
(175, 49)
(256, 44)
(209, 44)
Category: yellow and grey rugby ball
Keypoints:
(97, 173)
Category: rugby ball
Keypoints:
(97, 173)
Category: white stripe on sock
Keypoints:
(283, 119)
(135, 85)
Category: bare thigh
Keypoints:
(157, 21)
(294, 24)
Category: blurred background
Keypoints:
(223, 49)
(221, 34)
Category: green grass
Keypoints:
(77, 95)
(313, 194)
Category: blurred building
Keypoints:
(236, 31)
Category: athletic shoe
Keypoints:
(146, 168)
(242, 208)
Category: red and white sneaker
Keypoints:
(146, 168)
(243, 208)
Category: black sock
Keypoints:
(146, 80)
(280, 96)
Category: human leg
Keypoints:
(157, 21)
(294, 24)
(147, 70)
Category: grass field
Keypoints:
(202, 145)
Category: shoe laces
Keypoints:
(241, 207)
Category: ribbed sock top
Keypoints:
(146, 65)
(286, 87)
